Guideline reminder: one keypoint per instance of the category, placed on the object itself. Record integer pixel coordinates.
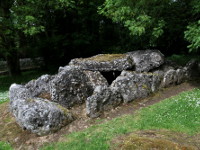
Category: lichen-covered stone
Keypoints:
(70, 86)
(181, 75)
(132, 85)
(96, 79)
(192, 68)
(40, 86)
(17, 91)
(104, 62)
(170, 78)
(37, 115)
(146, 60)
(103, 98)
(73, 85)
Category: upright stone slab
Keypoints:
(192, 68)
(170, 78)
(146, 60)
(40, 87)
(73, 85)
(132, 85)
(103, 98)
(104, 62)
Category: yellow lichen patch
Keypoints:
(30, 100)
(158, 140)
(65, 110)
(45, 95)
(106, 57)
(147, 143)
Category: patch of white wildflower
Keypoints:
(180, 112)
(3, 96)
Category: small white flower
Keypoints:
(198, 104)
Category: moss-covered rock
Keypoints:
(104, 62)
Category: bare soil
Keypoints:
(21, 139)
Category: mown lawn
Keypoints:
(178, 114)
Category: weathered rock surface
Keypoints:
(104, 62)
(103, 98)
(40, 87)
(132, 85)
(146, 60)
(182, 75)
(37, 115)
(170, 78)
(96, 79)
(192, 68)
(72, 85)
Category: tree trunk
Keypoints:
(13, 64)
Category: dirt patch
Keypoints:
(21, 139)
(156, 140)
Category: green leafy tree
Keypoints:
(155, 23)
(21, 19)
(192, 34)
(9, 38)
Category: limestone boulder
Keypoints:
(192, 68)
(103, 98)
(40, 87)
(73, 85)
(182, 75)
(132, 85)
(146, 60)
(175, 76)
(37, 115)
(104, 62)
(96, 79)
(170, 78)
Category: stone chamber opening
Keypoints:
(110, 76)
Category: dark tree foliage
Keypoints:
(60, 30)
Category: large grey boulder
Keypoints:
(192, 68)
(170, 78)
(40, 87)
(103, 98)
(173, 77)
(73, 85)
(96, 79)
(132, 85)
(37, 115)
(146, 60)
(182, 75)
(104, 62)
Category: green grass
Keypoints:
(5, 146)
(180, 113)
(183, 59)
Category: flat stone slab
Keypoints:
(104, 62)
(146, 60)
